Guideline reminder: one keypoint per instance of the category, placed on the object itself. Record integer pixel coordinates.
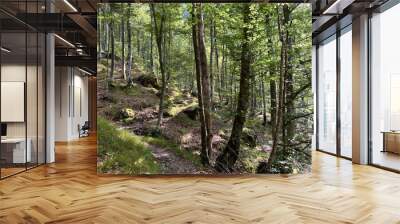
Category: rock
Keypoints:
(192, 112)
(148, 81)
(167, 114)
(126, 113)
(249, 137)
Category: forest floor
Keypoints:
(175, 146)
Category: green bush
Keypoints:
(123, 152)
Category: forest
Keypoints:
(204, 88)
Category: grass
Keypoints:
(165, 143)
(121, 151)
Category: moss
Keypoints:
(177, 108)
(121, 151)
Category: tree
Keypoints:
(130, 55)
(205, 78)
(123, 47)
(201, 56)
(159, 33)
(200, 95)
(227, 159)
(112, 42)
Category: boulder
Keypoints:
(126, 113)
(148, 81)
(166, 113)
(192, 112)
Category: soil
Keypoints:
(171, 163)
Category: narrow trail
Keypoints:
(171, 163)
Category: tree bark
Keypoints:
(273, 97)
(278, 125)
(159, 39)
(204, 152)
(130, 55)
(227, 159)
(111, 75)
(205, 78)
(123, 48)
(151, 47)
(264, 101)
(211, 62)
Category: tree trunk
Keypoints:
(211, 62)
(272, 92)
(227, 159)
(289, 104)
(217, 65)
(205, 78)
(204, 153)
(130, 55)
(253, 96)
(159, 39)
(151, 47)
(111, 75)
(264, 102)
(278, 125)
(123, 48)
(222, 85)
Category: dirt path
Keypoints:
(171, 163)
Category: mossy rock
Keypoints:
(126, 113)
(148, 81)
(192, 112)
(249, 137)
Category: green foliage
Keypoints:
(267, 66)
(122, 151)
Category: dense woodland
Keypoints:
(204, 88)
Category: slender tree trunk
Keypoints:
(273, 97)
(253, 96)
(267, 167)
(151, 47)
(112, 41)
(289, 104)
(264, 102)
(130, 55)
(211, 62)
(168, 55)
(123, 48)
(205, 78)
(204, 153)
(223, 69)
(159, 39)
(233, 89)
(218, 86)
(227, 159)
